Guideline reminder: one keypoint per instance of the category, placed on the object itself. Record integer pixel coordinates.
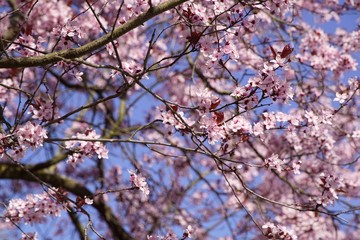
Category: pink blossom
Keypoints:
(277, 89)
(258, 129)
(33, 209)
(277, 232)
(348, 40)
(101, 150)
(139, 182)
(250, 102)
(231, 50)
(33, 45)
(332, 186)
(132, 67)
(44, 109)
(75, 158)
(312, 117)
(16, 152)
(83, 148)
(67, 34)
(269, 120)
(137, 7)
(296, 167)
(274, 162)
(279, 7)
(239, 123)
(356, 134)
(214, 132)
(5, 93)
(206, 45)
(78, 75)
(341, 97)
(207, 100)
(89, 201)
(249, 25)
(29, 236)
(170, 236)
(239, 92)
(281, 117)
(110, 48)
(31, 135)
(188, 232)
(193, 12)
(70, 31)
(214, 58)
(178, 120)
(295, 119)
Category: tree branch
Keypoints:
(12, 171)
(91, 46)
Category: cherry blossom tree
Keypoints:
(179, 119)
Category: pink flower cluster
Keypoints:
(246, 98)
(30, 135)
(33, 45)
(239, 123)
(5, 93)
(280, 165)
(344, 92)
(331, 187)
(278, 89)
(274, 162)
(34, 209)
(274, 87)
(178, 120)
(67, 34)
(217, 130)
(139, 182)
(277, 232)
(188, 233)
(170, 235)
(279, 7)
(326, 57)
(27, 136)
(212, 126)
(44, 109)
(86, 148)
(211, 122)
(207, 100)
(136, 7)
